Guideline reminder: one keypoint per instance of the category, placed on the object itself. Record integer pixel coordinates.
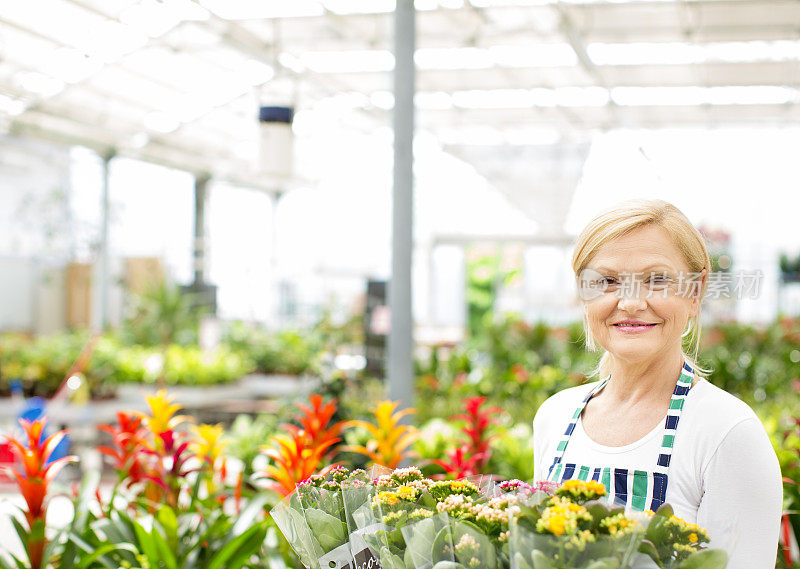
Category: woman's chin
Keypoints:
(633, 349)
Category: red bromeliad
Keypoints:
(458, 465)
(478, 422)
(34, 479)
(129, 441)
(167, 469)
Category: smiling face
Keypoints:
(643, 277)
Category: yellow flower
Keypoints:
(406, 493)
(387, 498)
(208, 444)
(692, 538)
(582, 490)
(562, 517)
(162, 409)
(557, 524)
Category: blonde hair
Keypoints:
(624, 218)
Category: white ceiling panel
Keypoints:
(180, 82)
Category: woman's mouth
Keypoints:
(634, 328)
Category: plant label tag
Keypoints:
(339, 558)
(365, 560)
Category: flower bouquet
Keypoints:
(314, 522)
(317, 518)
(673, 543)
(357, 495)
(402, 520)
(573, 529)
(440, 524)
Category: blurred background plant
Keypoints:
(163, 314)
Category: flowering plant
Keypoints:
(314, 518)
(406, 521)
(674, 543)
(419, 522)
(573, 528)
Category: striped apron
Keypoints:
(636, 489)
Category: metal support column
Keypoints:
(401, 342)
(199, 249)
(104, 268)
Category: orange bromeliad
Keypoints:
(390, 440)
(296, 458)
(314, 420)
(34, 480)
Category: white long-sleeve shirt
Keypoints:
(724, 474)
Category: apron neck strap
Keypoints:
(682, 387)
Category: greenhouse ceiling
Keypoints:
(178, 82)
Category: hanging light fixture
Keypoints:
(276, 157)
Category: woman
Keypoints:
(654, 430)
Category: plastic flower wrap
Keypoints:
(441, 524)
(402, 520)
(291, 520)
(357, 494)
(399, 499)
(574, 529)
(314, 521)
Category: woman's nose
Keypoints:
(631, 303)
(631, 297)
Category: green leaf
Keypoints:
(541, 561)
(250, 547)
(81, 517)
(85, 494)
(166, 517)
(241, 545)
(255, 506)
(448, 565)
(100, 559)
(98, 553)
(520, 563)
(648, 548)
(329, 531)
(665, 510)
(605, 563)
(114, 529)
(21, 531)
(419, 539)
(52, 545)
(389, 560)
(708, 559)
(146, 543)
(20, 564)
(37, 531)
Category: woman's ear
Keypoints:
(698, 291)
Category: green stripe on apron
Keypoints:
(639, 498)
